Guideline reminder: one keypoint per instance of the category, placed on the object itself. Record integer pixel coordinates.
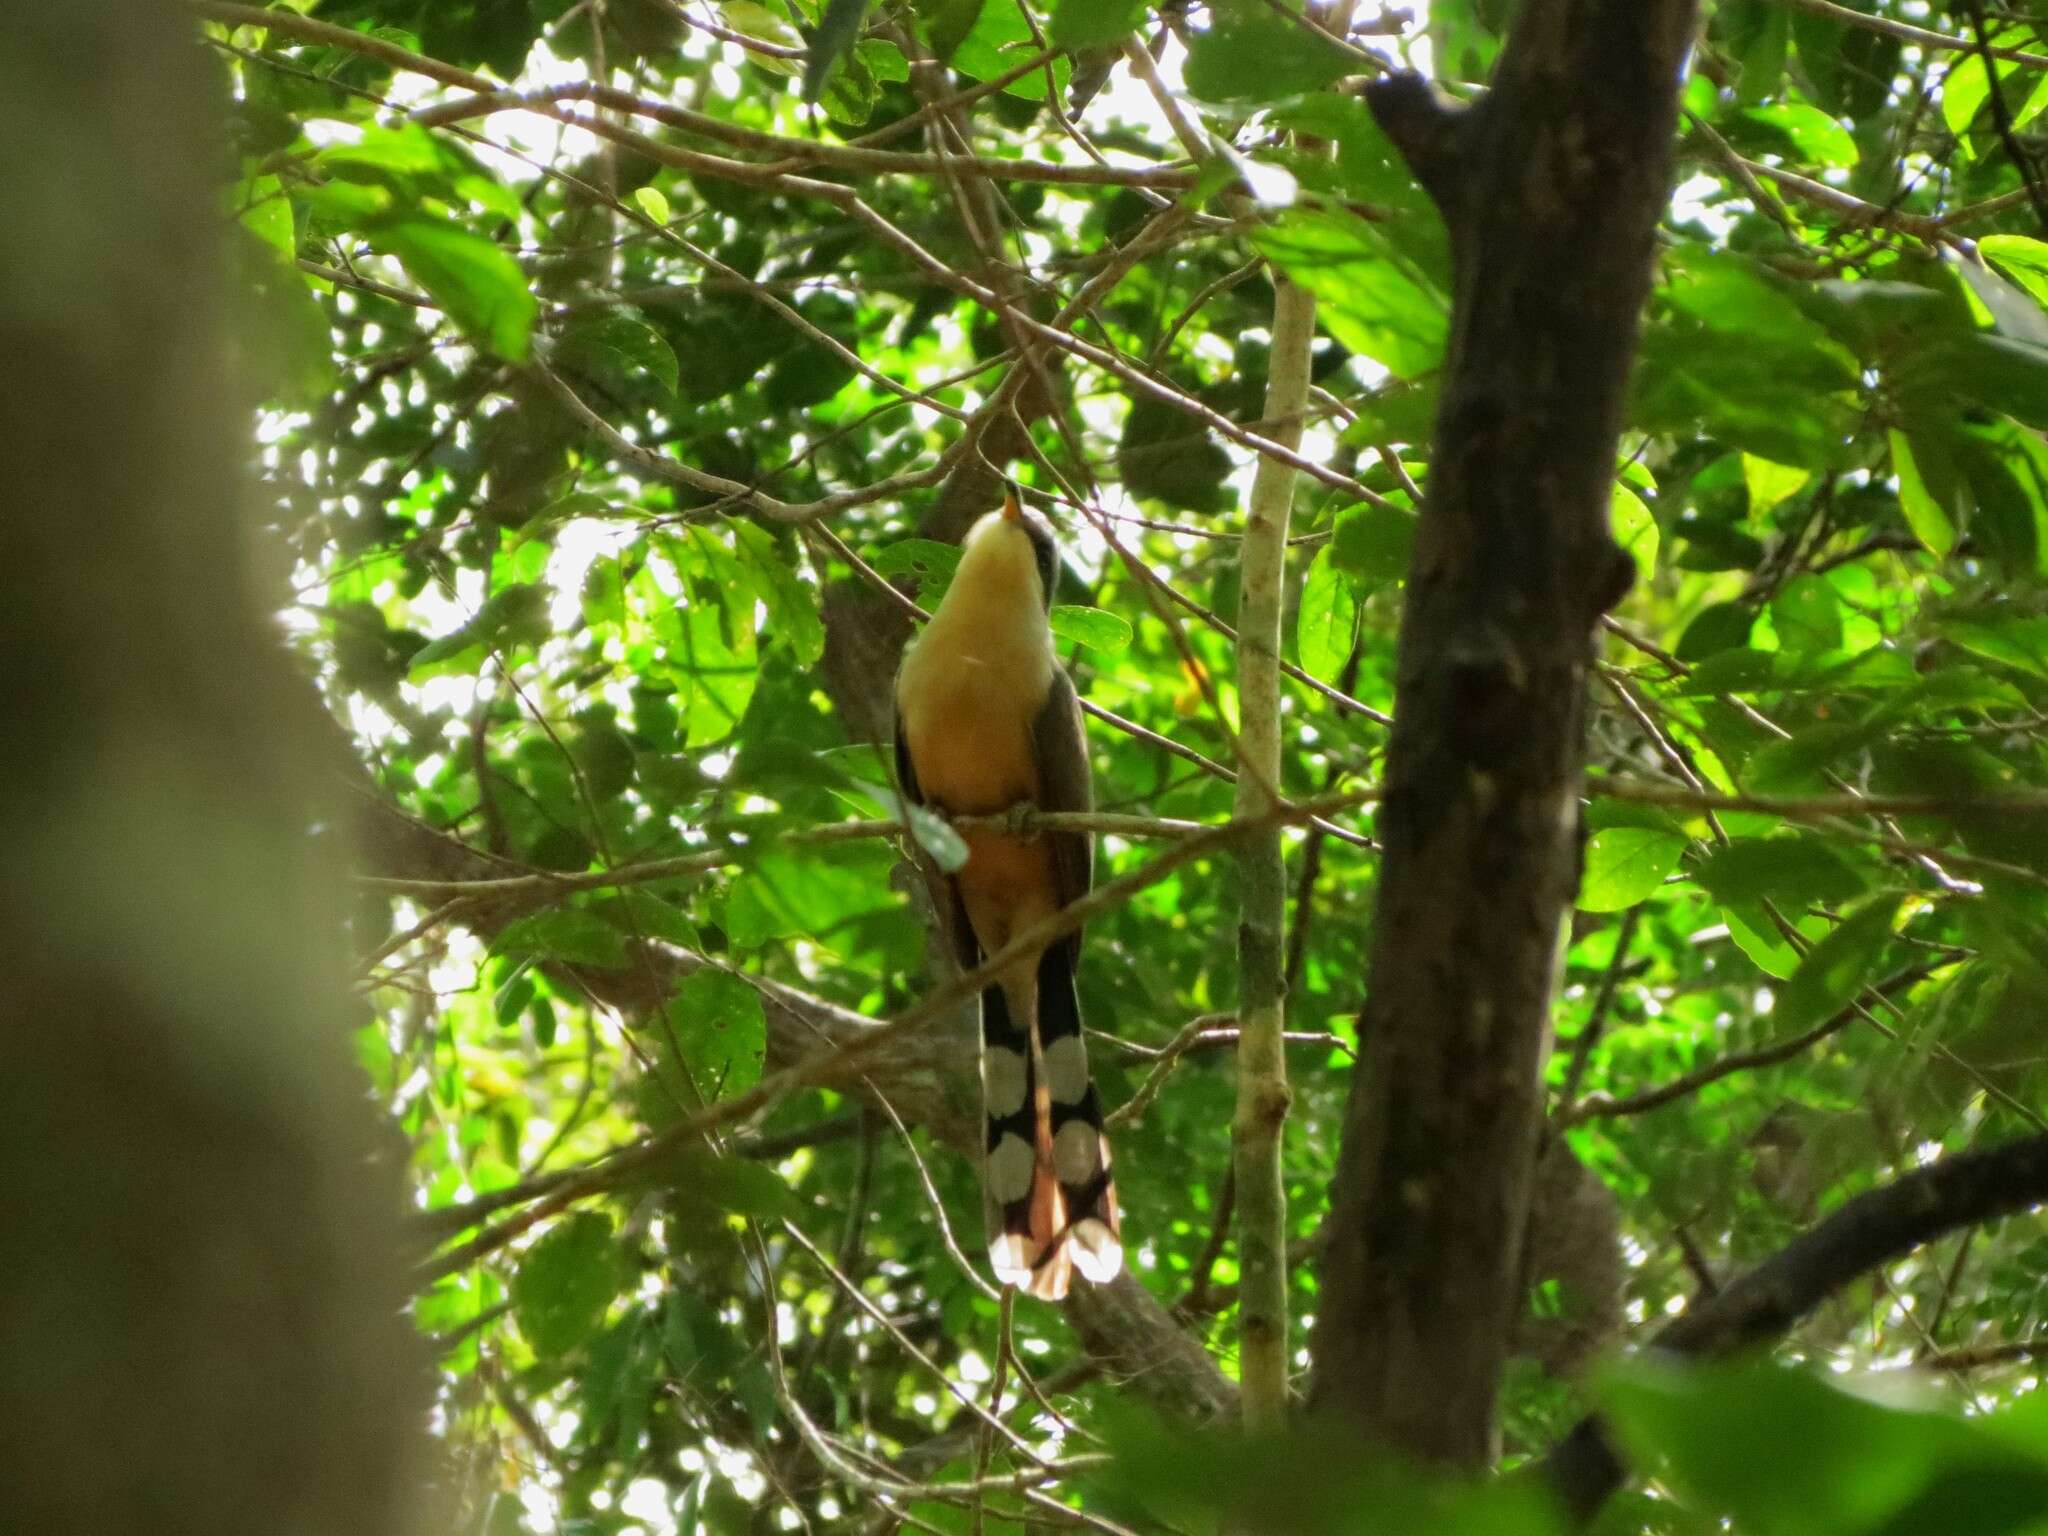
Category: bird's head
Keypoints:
(1011, 543)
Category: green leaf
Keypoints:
(266, 213)
(405, 157)
(723, 1030)
(1769, 483)
(1928, 519)
(2014, 310)
(808, 374)
(619, 349)
(818, 899)
(1369, 166)
(1716, 628)
(1760, 34)
(1260, 56)
(837, 32)
(947, 23)
(997, 43)
(1096, 628)
(932, 831)
(570, 934)
(1964, 90)
(793, 617)
(1740, 297)
(1625, 864)
(1807, 615)
(1091, 23)
(1836, 968)
(735, 1185)
(1635, 530)
(1996, 372)
(1326, 625)
(564, 1283)
(653, 203)
(927, 561)
(1805, 134)
(1795, 871)
(2017, 640)
(1165, 457)
(1851, 67)
(474, 282)
(1369, 297)
(1720, 1433)
(1884, 321)
(1304, 1481)
(769, 26)
(513, 615)
(1374, 543)
(2022, 258)
(711, 659)
(882, 59)
(1750, 926)
(1743, 362)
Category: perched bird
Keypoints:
(986, 719)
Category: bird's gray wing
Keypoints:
(1064, 784)
(906, 773)
(945, 891)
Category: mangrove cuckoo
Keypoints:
(987, 719)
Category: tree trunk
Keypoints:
(1551, 187)
(199, 1313)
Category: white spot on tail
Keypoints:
(1097, 1252)
(1066, 1069)
(1010, 1257)
(1074, 1152)
(1009, 1169)
(1002, 1081)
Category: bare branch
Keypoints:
(1873, 1229)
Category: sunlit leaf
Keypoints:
(1327, 621)
(1626, 864)
(1095, 628)
(473, 279)
(1369, 297)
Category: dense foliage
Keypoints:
(610, 384)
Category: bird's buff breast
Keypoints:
(967, 724)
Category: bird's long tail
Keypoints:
(1051, 1203)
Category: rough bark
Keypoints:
(1551, 187)
(200, 1309)
(1870, 1230)
(1262, 1096)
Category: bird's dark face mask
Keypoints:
(1044, 549)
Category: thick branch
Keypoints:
(1552, 191)
(1870, 1230)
